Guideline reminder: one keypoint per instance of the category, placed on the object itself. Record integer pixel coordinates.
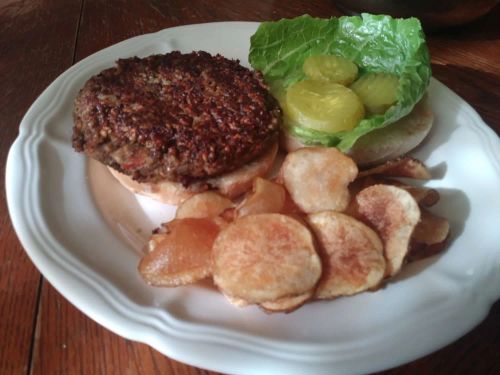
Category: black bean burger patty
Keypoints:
(180, 117)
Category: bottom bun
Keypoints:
(230, 184)
(387, 143)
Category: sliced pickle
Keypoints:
(330, 68)
(377, 91)
(325, 106)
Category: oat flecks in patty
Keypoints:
(181, 117)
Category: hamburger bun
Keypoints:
(386, 143)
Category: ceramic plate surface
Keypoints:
(84, 232)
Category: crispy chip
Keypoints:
(206, 204)
(423, 195)
(352, 254)
(286, 304)
(393, 213)
(180, 255)
(265, 257)
(401, 167)
(429, 237)
(317, 178)
(290, 207)
(229, 214)
(238, 302)
(266, 197)
(239, 181)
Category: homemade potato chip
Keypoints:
(238, 302)
(429, 237)
(182, 254)
(404, 166)
(301, 236)
(206, 204)
(317, 178)
(286, 304)
(265, 197)
(290, 207)
(423, 195)
(394, 214)
(239, 181)
(265, 257)
(352, 254)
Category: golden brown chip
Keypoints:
(420, 250)
(239, 181)
(265, 257)
(238, 302)
(155, 239)
(431, 229)
(317, 178)
(429, 237)
(401, 167)
(266, 197)
(182, 254)
(423, 195)
(352, 254)
(393, 213)
(290, 207)
(206, 204)
(286, 304)
(229, 214)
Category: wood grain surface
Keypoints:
(41, 333)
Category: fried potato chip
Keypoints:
(352, 254)
(239, 181)
(265, 257)
(265, 197)
(229, 214)
(419, 251)
(423, 195)
(182, 254)
(394, 214)
(155, 240)
(238, 302)
(429, 237)
(431, 229)
(317, 178)
(404, 166)
(286, 304)
(290, 207)
(206, 204)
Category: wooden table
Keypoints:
(41, 333)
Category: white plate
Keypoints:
(84, 233)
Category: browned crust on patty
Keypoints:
(180, 117)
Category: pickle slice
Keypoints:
(325, 106)
(377, 91)
(330, 68)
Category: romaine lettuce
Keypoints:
(376, 43)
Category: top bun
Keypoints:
(386, 143)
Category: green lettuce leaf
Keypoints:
(376, 43)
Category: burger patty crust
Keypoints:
(180, 117)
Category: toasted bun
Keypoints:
(387, 143)
(231, 184)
